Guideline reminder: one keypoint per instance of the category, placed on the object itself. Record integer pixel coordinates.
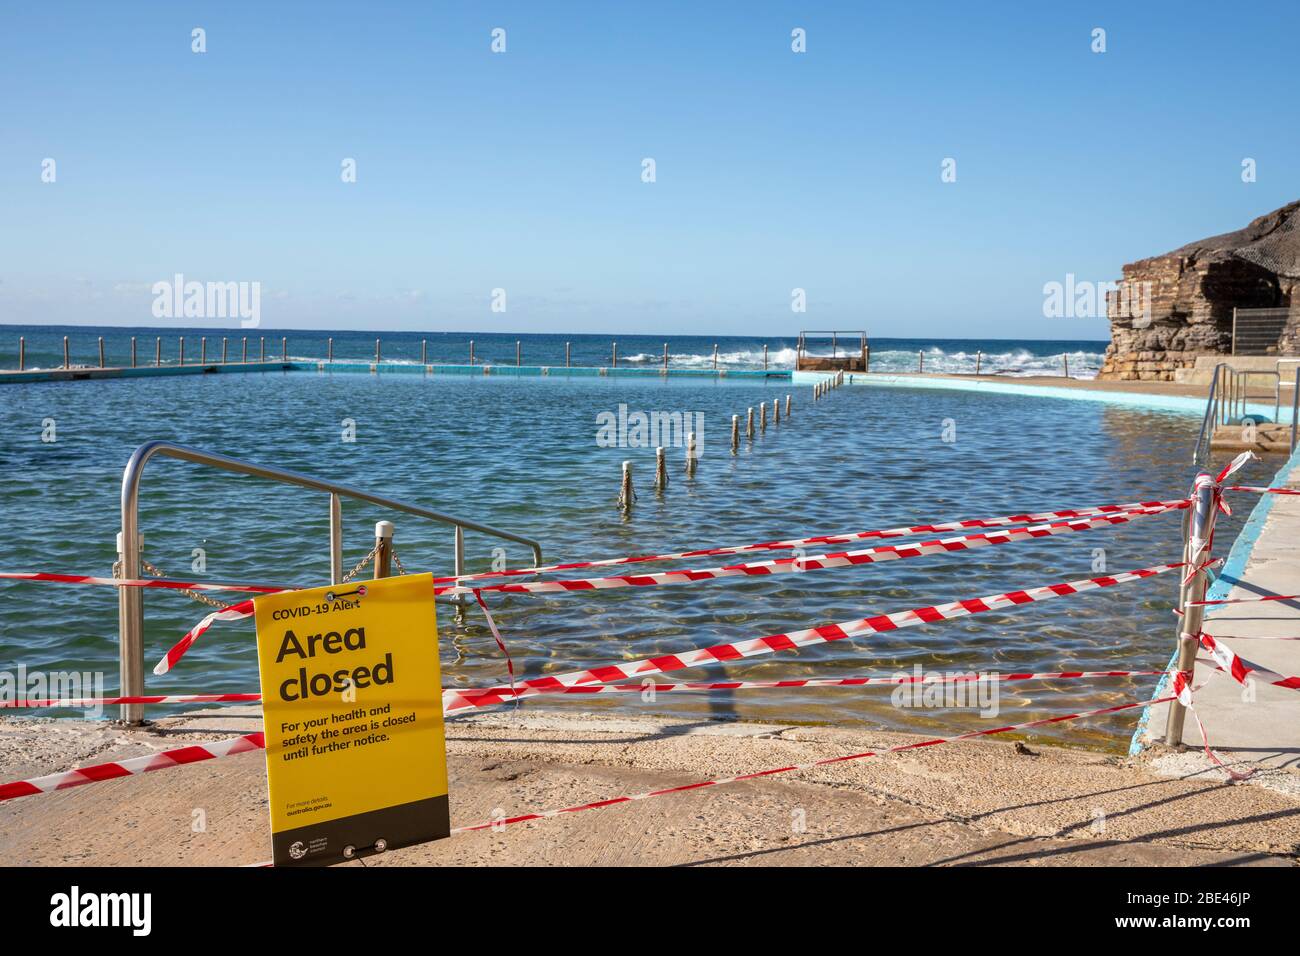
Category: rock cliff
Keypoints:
(1174, 307)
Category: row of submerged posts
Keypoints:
(329, 353)
(158, 352)
(627, 492)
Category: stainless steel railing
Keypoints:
(1228, 401)
(131, 600)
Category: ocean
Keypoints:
(44, 347)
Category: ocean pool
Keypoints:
(522, 454)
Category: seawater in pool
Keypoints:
(522, 454)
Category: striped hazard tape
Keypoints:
(132, 765)
(1242, 669)
(244, 609)
(790, 543)
(795, 768)
(491, 696)
(874, 555)
(646, 685)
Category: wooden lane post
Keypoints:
(626, 496)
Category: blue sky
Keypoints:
(522, 170)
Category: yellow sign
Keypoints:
(352, 709)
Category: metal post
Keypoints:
(920, 360)
(614, 355)
(568, 354)
(133, 351)
(625, 493)
(834, 346)
(383, 549)
(1195, 552)
(22, 352)
(336, 539)
(787, 406)
(690, 455)
(203, 350)
(261, 349)
(661, 470)
(244, 355)
(665, 356)
(1295, 406)
(101, 351)
(225, 349)
(458, 564)
(749, 423)
(329, 349)
(181, 359)
(519, 354)
(424, 351)
(1065, 363)
(978, 358)
(130, 616)
(735, 434)
(157, 351)
(864, 351)
(762, 416)
(284, 349)
(715, 356)
(377, 352)
(776, 411)
(471, 351)
(65, 351)
(866, 359)
(764, 356)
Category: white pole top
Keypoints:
(384, 529)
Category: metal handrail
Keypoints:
(1229, 398)
(1209, 421)
(131, 600)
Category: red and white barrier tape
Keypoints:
(244, 609)
(236, 612)
(163, 583)
(874, 555)
(491, 696)
(969, 678)
(1249, 600)
(848, 538)
(1183, 693)
(133, 765)
(932, 678)
(80, 702)
(196, 753)
(828, 761)
(1264, 491)
(1241, 669)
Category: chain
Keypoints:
(193, 595)
(360, 565)
(398, 561)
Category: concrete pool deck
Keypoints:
(1260, 727)
(970, 803)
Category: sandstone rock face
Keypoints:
(1174, 307)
